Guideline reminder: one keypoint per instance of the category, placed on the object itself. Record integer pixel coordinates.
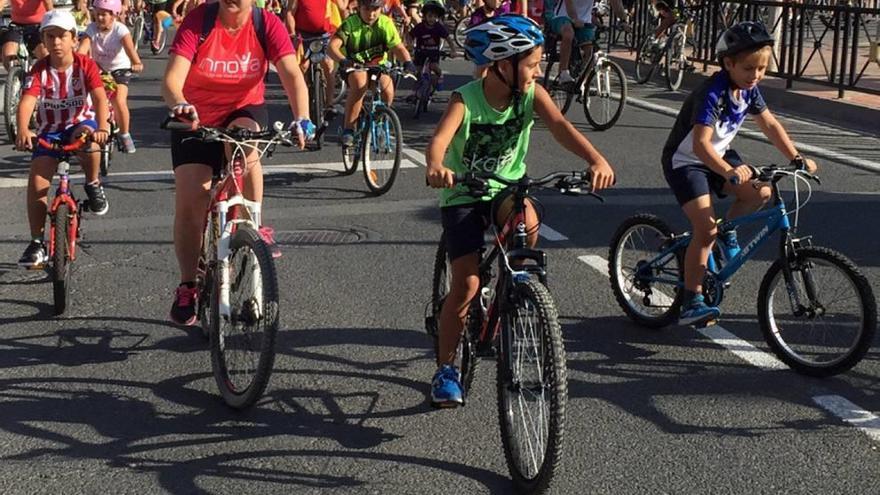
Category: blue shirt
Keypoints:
(713, 104)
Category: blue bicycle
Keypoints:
(816, 311)
(377, 136)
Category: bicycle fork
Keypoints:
(228, 225)
(792, 264)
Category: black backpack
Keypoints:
(211, 11)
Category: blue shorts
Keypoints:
(583, 35)
(692, 181)
(65, 136)
(465, 226)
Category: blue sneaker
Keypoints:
(446, 387)
(727, 242)
(697, 312)
(347, 137)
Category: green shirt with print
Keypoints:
(365, 43)
(488, 140)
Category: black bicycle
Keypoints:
(514, 319)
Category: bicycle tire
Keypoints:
(550, 369)
(378, 180)
(458, 35)
(316, 100)
(137, 30)
(205, 280)
(615, 73)
(466, 354)
(106, 155)
(163, 39)
(61, 262)
(560, 97)
(351, 155)
(669, 306)
(789, 350)
(645, 62)
(261, 343)
(675, 61)
(12, 95)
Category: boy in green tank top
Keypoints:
(486, 127)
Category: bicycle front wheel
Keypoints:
(460, 27)
(651, 298)
(604, 95)
(11, 95)
(834, 326)
(243, 344)
(532, 387)
(316, 99)
(61, 259)
(646, 61)
(675, 61)
(381, 150)
(137, 30)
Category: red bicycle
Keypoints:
(65, 215)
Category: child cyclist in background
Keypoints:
(66, 90)
(486, 127)
(427, 36)
(366, 38)
(81, 15)
(697, 158)
(113, 49)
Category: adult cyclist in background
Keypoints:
(201, 86)
(366, 38)
(311, 19)
(26, 16)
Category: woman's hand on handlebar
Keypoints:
(24, 140)
(603, 175)
(183, 111)
(440, 177)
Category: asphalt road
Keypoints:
(113, 398)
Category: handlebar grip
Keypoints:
(755, 173)
(171, 124)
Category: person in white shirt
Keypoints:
(112, 47)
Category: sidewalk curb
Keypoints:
(835, 112)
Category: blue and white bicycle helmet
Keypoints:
(502, 37)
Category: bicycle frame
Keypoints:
(372, 101)
(64, 196)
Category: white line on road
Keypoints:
(415, 156)
(851, 413)
(816, 150)
(744, 350)
(150, 176)
(550, 234)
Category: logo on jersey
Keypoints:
(236, 68)
(490, 147)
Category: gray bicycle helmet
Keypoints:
(741, 37)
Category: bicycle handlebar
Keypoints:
(772, 173)
(207, 133)
(57, 145)
(572, 183)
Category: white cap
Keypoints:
(58, 18)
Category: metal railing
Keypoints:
(827, 42)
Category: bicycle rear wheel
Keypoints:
(834, 328)
(12, 95)
(675, 61)
(466, 352)
(243, 346)
(161, 42)
(460, 28)
(316, 99)
(646, 61)
(106, 154)
(532, 387)
(61, 260)
(381, 150)
(604, 95)
(351, 155)
(650, 303)
(137, 30)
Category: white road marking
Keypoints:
(744, 350)
(415, 156)
(598, 263)
(150, 176)
(550, 234)
(816, 150)
(863, 420)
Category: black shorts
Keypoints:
(429, 56)
(121, 76)
(464, 227)
(30, 33)
(211, 154)
(692, 181)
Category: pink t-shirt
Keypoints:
(63, 97)
(228, 72)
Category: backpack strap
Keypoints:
(260, 28)
(211, 11)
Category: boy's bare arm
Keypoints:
(437, 174)
(572, 140)
(25, 110)
(777, 135)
